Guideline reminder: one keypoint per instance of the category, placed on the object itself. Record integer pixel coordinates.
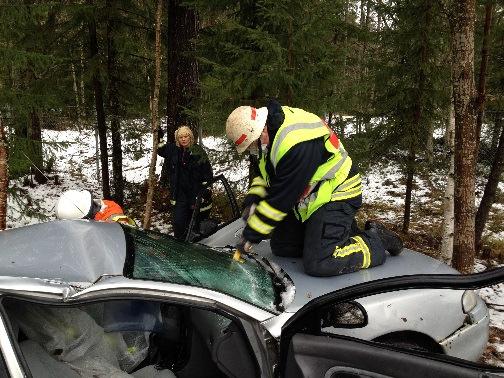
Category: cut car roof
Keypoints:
(69, 251)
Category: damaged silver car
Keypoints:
(92, 299)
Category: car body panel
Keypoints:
(8, 352)
(388, 312)
(122, 286)
(307, 350)
(91, 266)
(477, 331)
(68, 251)
(308, 287)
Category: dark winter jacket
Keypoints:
(189, 170)
(291, 176)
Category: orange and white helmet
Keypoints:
(74, 204)
(245, 125)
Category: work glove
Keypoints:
(248, 211)
(244, 246)
(276, 115)
(250, 199)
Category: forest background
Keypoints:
(421, 82)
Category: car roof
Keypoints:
(309, 287)
(68, 251)
(81, 252)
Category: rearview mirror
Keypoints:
(343, 315)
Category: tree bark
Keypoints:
(154, 119)
(100, 111)
(410, 173)
(183, 78)
(465, 133)
(448, 204)
(4, 176)
(481, 99)
(76, 95)
(496, 132)
(114, 107)
(35, 143)
(183, 75)
(491, 187)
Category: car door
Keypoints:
(307, 351)
(31, 289)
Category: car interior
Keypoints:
(128, 338)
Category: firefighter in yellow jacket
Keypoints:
(307, 193)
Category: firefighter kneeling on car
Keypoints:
(307, 193)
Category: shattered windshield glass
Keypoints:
(153, 256)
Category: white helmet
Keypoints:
(74, 204)
(245, 125)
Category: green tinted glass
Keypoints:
(158, 257)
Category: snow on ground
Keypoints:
(75, 166)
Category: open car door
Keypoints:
(209, 215)
(307, 351)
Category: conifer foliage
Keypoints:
(387, 66)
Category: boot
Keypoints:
(390, 240)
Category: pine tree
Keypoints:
(465, 133)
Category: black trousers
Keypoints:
(181, 218)
(329, 241)
(182, 213)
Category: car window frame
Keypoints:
(232, 202)
(10, 352)
(250, 329)
(305, 319)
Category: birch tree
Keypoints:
(4, 177)
(448, 204)
(154, 118)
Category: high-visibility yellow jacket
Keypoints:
(331, 180)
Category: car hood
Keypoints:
(308, 287)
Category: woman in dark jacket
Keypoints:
(189, 172)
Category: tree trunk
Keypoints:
(290, 60)
(429, 143)
(183, 75)
(490, 188)
(4, 176)
(465, 133)
(481, 99)
(113, 94)
(496, 131)
(82, 87)
(76, 95)
(100, 111)
(448, 204)
(183, 78)
(35, 143)
(410, 173)
(154, 119)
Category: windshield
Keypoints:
(154, 256)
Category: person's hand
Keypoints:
(244, 246)
(247, 212)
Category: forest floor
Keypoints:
(75, 168)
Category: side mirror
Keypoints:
(343, 315)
